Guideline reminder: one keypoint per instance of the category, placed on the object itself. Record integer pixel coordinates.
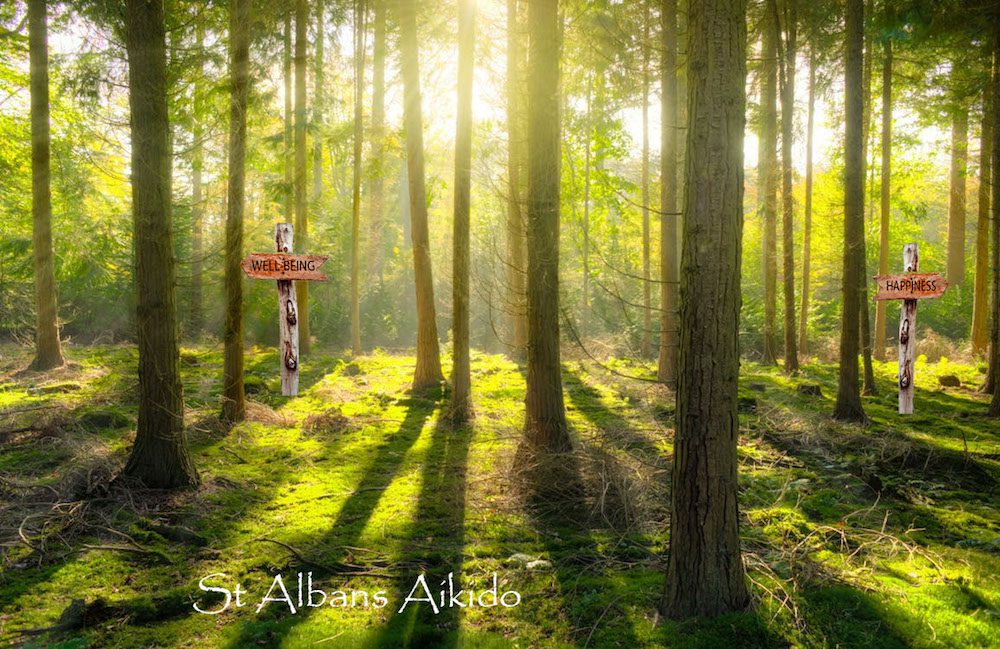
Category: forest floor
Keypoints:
(880, 536)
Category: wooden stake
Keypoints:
(288, 318)
(907, 336)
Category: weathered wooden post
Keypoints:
(286, 268)
(909, 288)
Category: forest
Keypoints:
(499, 323)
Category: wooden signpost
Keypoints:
(909, 288)
(286, 268)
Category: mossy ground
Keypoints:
(881, 536)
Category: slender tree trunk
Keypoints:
(647, 298)
(788, 202)
(768, 171)
(233, 399)
(587, 163)
(956, 198)
(980, 304)
(705, 575)
(461, 379)
(377, 141)
(428, 370)
(301, 201)
(865, 329)
(197, 319)
(667, 366)
(289, 144)
(545, 428)
(884, 223)
(160, 456)
(848, 406)
(359, 91)
(319, 104)
(516, 144)
(48, 351)
(993, 382)
(807, 211)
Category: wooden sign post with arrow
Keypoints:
(286, 267)
(909, 288)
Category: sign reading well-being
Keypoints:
(909, 287)
(286, 267)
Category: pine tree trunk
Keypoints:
(545, 428)
(318, 116)
(980, 304)
(666, 371)
(884, 223)
(461, 379)
(788, 204)
(993, 382)
(807, 211)
(705, 575)
(289, 143)
(848, 406)
(428, 370)
(956, 197)
(647, 298)
(301, 202)
(48, 351)
(377, 142)
(359, 89)
(516, 145)
(585, 225)
(160, 456)
(233, 399)
(865, 329)
(197, 319)
(768, 172)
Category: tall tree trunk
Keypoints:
(318, 116)
(197, 318)
(884, 223)
(160, 456)
(587, 164)
(768, 172)
(359, 91)
(461, 379)
(666, 370)
(377, 142)
(289, 144)
(956, 197)
(428, 370)
(545, 416)
(993, 383)
(301, 202)
(807, 211)
(48, 351)
(705, 575)
(516, 145)
(647, 298)
(233, 400)
(848, 406)
(865, 329)
(788, 202)
(980, 303)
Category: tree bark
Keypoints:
(807, 211)
(956, 197)
(545, 428)
(647, 298)
(359, 90)
(848, 406)
(289, 143)
(884, 222)
(516, 145)
(301, 201)
(788, 202)
(197, 319)
(160, 456)
(666, 371)
(428, 370)
(705, 575)
(994, 366)
(980, 303)
(233, 399)
(461, 378)
(48, 350)
(768, 172)
(865, 325)
(377, 141)
(588, 135)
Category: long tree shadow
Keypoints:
(439, 521)
(352, 517)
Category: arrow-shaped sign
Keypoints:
(284, 266)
